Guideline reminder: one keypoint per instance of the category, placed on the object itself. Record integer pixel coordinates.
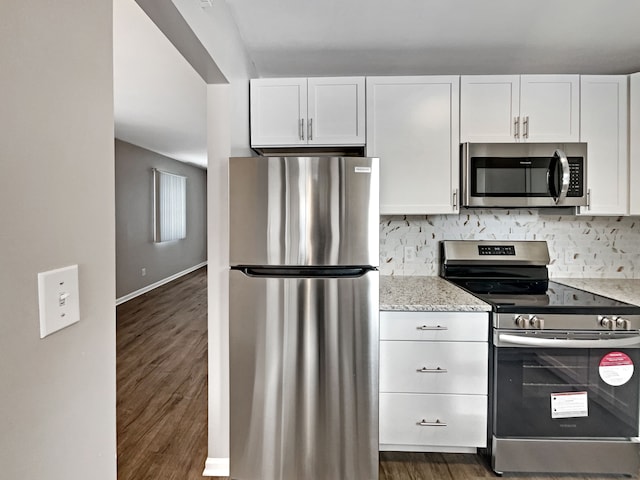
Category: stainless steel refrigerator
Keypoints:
(304, 318)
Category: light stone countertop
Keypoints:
(426, 294)
(621, 289)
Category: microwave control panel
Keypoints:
(576, 187)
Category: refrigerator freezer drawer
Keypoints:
(304, 211)
(304, 377)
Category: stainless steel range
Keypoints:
(564, 382)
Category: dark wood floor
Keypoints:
(162, 396)
(161, 370)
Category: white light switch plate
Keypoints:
(58, 299)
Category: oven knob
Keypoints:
(536, 322)
(623, 323)
(606, 322)
(521, 321)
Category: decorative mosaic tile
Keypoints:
(580, 246)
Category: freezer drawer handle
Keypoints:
(437, 423)
(432, 370)
(432, 327)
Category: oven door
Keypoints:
(565, 385)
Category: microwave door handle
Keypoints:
(566, 175)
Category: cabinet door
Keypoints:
(434, 367)
(604, 128)
(634, 143)
(438, 326)
(432, 420)
(413, 126)
(550, 108)
(336, 111)
(489, 106)
(278, 111)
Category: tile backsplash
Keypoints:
(579, 246)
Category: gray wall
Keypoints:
(135, 248)
(57, 394)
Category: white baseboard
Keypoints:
(216, 467)
(157, 284)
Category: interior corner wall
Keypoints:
(57, 394)
(135, 248)
(219, 109)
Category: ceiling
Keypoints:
(160, 100)
(382, 37)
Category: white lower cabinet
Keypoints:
(423, 422)
(434, 367)
(433, 381)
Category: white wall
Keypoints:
(57, 395)
(228, 135)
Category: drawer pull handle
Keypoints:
(432, 370)
(432, 327)
(437, 423)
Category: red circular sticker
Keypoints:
(616, 368)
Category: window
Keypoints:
(169, 206)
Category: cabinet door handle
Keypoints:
(516, 127)
(431, 327)
(588, 199)
(310, 129)
(437, 423)
(432, 370)
(525, 127)
(455, 199)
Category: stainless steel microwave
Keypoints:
(521, 175)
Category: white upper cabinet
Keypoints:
(604, 127)
(413, 126)
(519, 108)
(299, 111)
(489, 108)
(634, 144)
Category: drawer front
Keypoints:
(434, 367)
(437, 420)
(447, 326)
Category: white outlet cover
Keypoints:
(409, 254)
(58, 298)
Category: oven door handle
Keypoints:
(505, 339)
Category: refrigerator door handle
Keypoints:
(307, 272)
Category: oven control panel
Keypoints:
(496, 250)
(573, 322)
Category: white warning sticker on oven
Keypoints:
(616, 368)
(569, 404)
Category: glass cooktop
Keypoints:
(548, 297)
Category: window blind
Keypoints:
(170, 206)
